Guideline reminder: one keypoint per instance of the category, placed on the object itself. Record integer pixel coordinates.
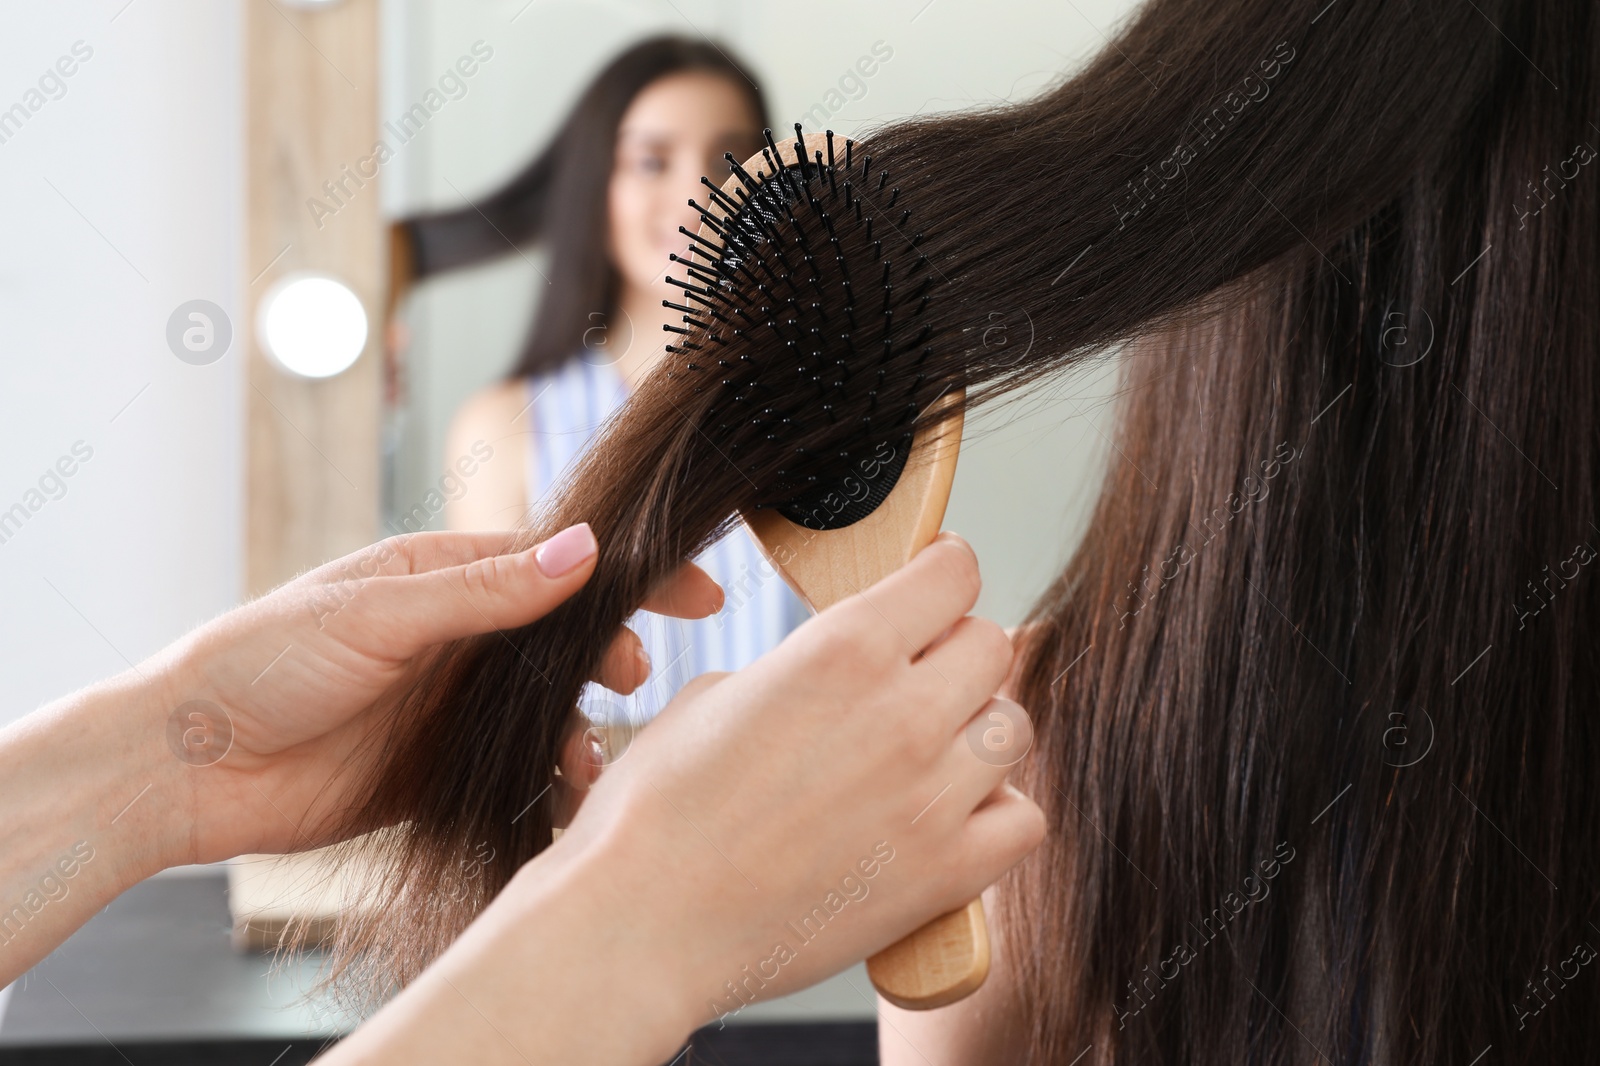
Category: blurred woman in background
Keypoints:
(605, 200)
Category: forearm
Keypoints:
(86, 811)
(566, 966)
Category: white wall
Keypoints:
(1026, 471)
(122, 199)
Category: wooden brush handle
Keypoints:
(948, 958)
(944, 961)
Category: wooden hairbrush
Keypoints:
(883, 502)
(948, 958)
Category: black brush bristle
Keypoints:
(808, 354)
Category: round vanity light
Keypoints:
(311, 325)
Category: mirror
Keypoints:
(473, 93)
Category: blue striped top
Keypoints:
(565, 409)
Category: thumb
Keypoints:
(495, 592)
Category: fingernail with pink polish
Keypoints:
(566, 551)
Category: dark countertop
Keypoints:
(153, 981)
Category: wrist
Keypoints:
(631, 937)
(564, 966)
(213, 803)
(143, 803)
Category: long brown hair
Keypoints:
(1308, 696)
(558, 201)
(1325, 763)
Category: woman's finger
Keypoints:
(626, 665)
(582, 759)
(980, 758)
(1005, 828)
(910, 608)
(966, 666)
(689, 593)
(582, 755)
(403, 615)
